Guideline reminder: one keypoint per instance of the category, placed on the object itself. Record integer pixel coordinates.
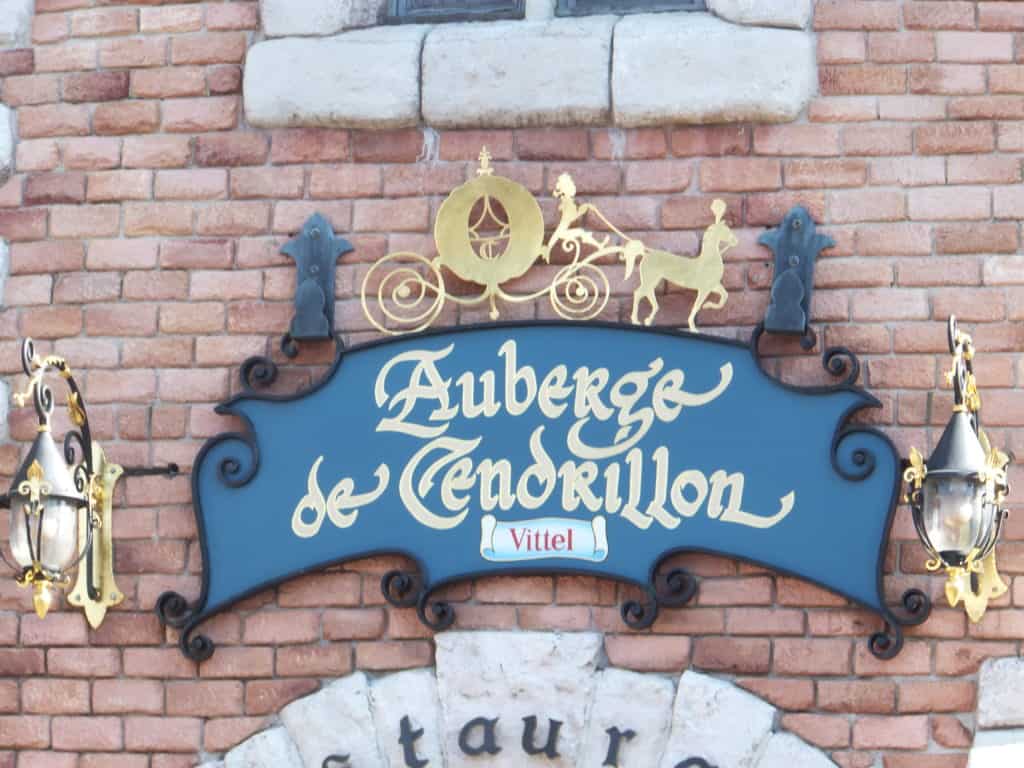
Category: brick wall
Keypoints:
(145, 220)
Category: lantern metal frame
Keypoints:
(964, 452)
(94, 479)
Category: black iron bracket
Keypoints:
(315, 250)
(796, 244)
(166, 470)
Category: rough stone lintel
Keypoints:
(666, 68)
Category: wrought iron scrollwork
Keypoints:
(400, 588)
(257, 373)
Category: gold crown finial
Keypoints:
(485, 163)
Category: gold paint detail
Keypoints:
(341, 506)
(35, 487)
(98, 515)
(75, 410)
(489, 232)
(960, 586)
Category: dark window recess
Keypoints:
(590, 7)
(424, 11)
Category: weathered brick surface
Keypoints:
(145, 221)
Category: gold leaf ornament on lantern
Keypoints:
(490, 231)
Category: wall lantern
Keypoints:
(61, 500)
(957, 496)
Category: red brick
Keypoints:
(168, 734)
(46, 257)
(66, 57)
(53, 120)
(193, 317)
(947, 78)
(114, 186)
(264, 697)
(78, 289)
(22, 225)
(28, 290)
(268, 182)
(897, 47)
(195, 254)
(39, 155)
(210, 48)
(315, 145)
(866, 14)
(90, 154)
(1000, 16)
(105, 22)
(239, 15)
(401, 146)
(282, 627)
(391, 215)
(711, 140)
(55, 696)
(876, 697)
(50, 28)
(936, 14)
(897, 732)
(54, 188)
(135, 52)
(169, 82)
(825, 731)
(313, 661)
(384, 655)
(205, 698)
(857, 80)
(31, 89)
(121, 254)
(986, 108)
(231, 149)
(24, 731)
(944, 203)
(127, 696)
(974, 47)
(841, 47)
(983, 169)
(129, 117)
(155, 286)
(233, 218)
(216, 113)
(867, 205)
(192, 184)
(84, 221)
(83, 662)
(722, 654)
(351, 180)
(224, 79)
(804, 174)
(949, 138)
(157, 151)
(157, 219)
(740, 174)
(796, 140)
(174, 18)
(18, 61)
(877, 140)
(122, 320)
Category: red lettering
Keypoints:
(518, 540)
(570, 541)
(558, 541)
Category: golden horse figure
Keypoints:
(701, 273)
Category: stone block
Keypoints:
(6, 143)
(784, 750)
(518, 73)
(997, 749)
(270, 749)
(281, 18)
(695, 68)
(718, 722)
(1000, 698)
(629, 701)
(411, 694)
(15, 22)
(366, 79)
(512, 676)
(795, 14)
(335, 721)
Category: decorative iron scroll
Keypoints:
(345, 470)
(490, 231)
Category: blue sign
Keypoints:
(553, 448)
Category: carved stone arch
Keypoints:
(514, 688)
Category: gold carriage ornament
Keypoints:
(490, 231)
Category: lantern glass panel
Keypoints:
(58, 540)
(957, 516)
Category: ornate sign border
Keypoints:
(673, 588)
